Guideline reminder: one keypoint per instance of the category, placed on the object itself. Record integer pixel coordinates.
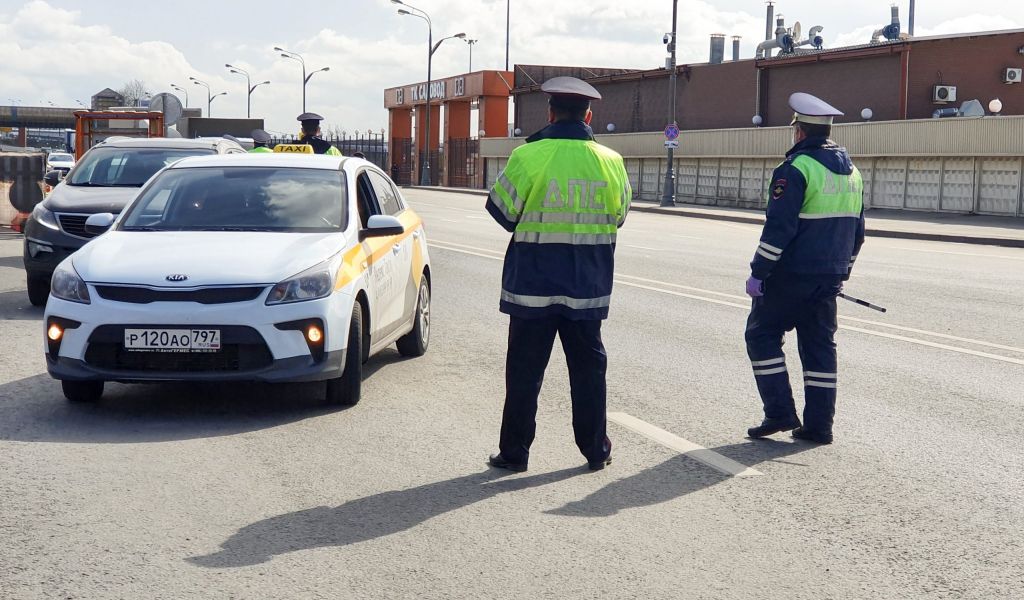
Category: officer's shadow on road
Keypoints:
(366, 518)
(33, 409)
(14, 306)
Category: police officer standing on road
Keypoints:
(260, 139)
(813, 232)
(563, 196)
(311, 135)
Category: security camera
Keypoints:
(666, 39)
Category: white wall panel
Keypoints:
(1000, 186)
(958, 185)
(924, 179)
(890, 183)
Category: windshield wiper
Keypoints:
(142, 228)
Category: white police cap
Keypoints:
(570, 86)
(811, 109)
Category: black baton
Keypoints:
(862, 302)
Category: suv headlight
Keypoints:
(67, 285)
(44, 217)
(311, 284)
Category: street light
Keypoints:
(471, 44)
(183, 91)
(668, 198)
(209, 98)
(431, 49)
(305, 78)
(248, 86)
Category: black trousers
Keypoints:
(809, 306)
(529, 349)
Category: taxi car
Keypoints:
(250, 267)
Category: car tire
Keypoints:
(82, 391)
(38, 289)
(345, 390)
(416, 341)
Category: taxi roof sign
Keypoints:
(294, 148)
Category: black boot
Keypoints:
(818, 437)
(770, 426)
(500, 462)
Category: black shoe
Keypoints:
(818, 437)
(770, 426)
(499, 461)
(597, 465)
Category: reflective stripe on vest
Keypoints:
(829, 195)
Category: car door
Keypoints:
(390, 202)
(381, 277)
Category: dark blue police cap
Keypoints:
(570, 86)
(260, 137)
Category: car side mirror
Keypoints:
(99, 223)
(52, 178)
(382, 226)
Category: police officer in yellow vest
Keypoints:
(260, 140)
(813, 232)
(311, 135)
(563, 196)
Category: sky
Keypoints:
(61, 51)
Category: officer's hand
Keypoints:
(755, 287)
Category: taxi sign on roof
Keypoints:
(294, 148)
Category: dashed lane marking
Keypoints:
(621, 280)
(698, 453)
(978, 254)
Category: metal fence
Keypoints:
(373, 146)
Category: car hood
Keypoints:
(205, 257)
(89, 200)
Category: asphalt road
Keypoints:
(178, 491)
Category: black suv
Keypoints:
(103, 181)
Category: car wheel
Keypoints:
(345, 390)
(82, 391)
(38, 289)
(416, 341)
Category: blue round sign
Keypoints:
(671, 131)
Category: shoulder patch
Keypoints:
(778, 188)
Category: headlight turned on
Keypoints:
(67, 285)
(312, 284)
(44, 217)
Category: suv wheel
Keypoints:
(38, 289)
(82, 391)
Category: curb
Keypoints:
(752, 220)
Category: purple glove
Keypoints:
(755, 287)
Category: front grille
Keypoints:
(209, 295)
(242, 349)
(74, 225)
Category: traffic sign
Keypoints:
(671, 131)
(671, 143)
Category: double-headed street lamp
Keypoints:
(431, 49)
(668, 197)
(248, 86)
(305, 78)
(209, 98)
(471, 44)
(183, 91)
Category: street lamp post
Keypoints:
(669, 197)
(508, 18)
(209, 98)
(305, 78)
(183, 91)
(431, 49)
(248, 87)
(471, 44)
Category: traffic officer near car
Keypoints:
(311, 135)
(260, 141)
(813, 232)
(563, 196)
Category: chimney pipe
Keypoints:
(768, 21)
(911, 24)
(736, 47)
(717, 48)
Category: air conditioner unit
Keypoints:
(944, 93)
(1013, 75)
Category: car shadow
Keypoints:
(366, 518)
(14, 306)
(34, 409)
(674, 478)
(14, 262)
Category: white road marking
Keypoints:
(746, 306)
(698, 453)
(475, 217)
(417, 204)
(644, 248)
(958, 253)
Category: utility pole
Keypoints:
(669, 197)
(508, 16)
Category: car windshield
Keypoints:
(128, 167)
(241, 199)
(54, 156)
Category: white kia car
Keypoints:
(252, 267)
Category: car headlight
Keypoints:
(67, 285)
(44, 217)
(311, 284)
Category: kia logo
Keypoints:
(177, 277)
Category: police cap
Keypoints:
(260, 137)
(811, 109)
(310, 119)
(570, 86)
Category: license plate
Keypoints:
(172, 340)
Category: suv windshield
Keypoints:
(130, 167)
(241, 199)
(54, 156)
